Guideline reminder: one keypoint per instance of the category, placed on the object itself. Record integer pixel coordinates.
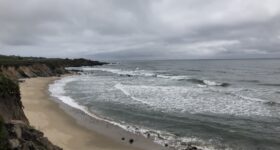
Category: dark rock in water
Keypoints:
(131, 141)
(148, 135)
(126, 75)
(123, 138)
(225, 84)
(190, 147)
(196, 81)
(165, 145)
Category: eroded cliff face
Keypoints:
(15, 131)
(17, 135)
(35, 70)
(11, 107)
(20, 67)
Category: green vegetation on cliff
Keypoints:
(8, 87)
(51, 62)
(16, 67)
(10, 100)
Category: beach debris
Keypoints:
(123, 138)
(131, 141)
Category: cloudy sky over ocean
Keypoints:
(141, 29)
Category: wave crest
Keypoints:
(145, 73)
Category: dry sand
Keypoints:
(60, 128)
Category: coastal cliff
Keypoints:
(26, 67)
(15, 131)
(11, 107)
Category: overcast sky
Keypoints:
(140, 29)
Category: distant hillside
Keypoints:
(19, 67)
(18, 61)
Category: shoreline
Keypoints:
(70, 128)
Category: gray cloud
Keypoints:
(140, 29)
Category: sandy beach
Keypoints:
(61, 129)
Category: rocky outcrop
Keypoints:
(17, 135)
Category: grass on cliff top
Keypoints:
(51, 62)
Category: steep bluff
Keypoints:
(35, 70)
(14, 68)
(41, 67)
(10, 102)
(17, 135)
(15, 131)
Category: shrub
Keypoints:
(8, 87)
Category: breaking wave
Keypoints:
(57, 90)
(195, 100)
(145, 73)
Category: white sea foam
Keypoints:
(145, 73)
(135, 72)
(57, 90)
(160, 137)
(212, 83)
(173, 77)
(195, 100)
(120, 87)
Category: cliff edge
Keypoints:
(27, 67)
(11, 107)
(15, 131)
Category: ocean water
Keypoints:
(213, 104)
